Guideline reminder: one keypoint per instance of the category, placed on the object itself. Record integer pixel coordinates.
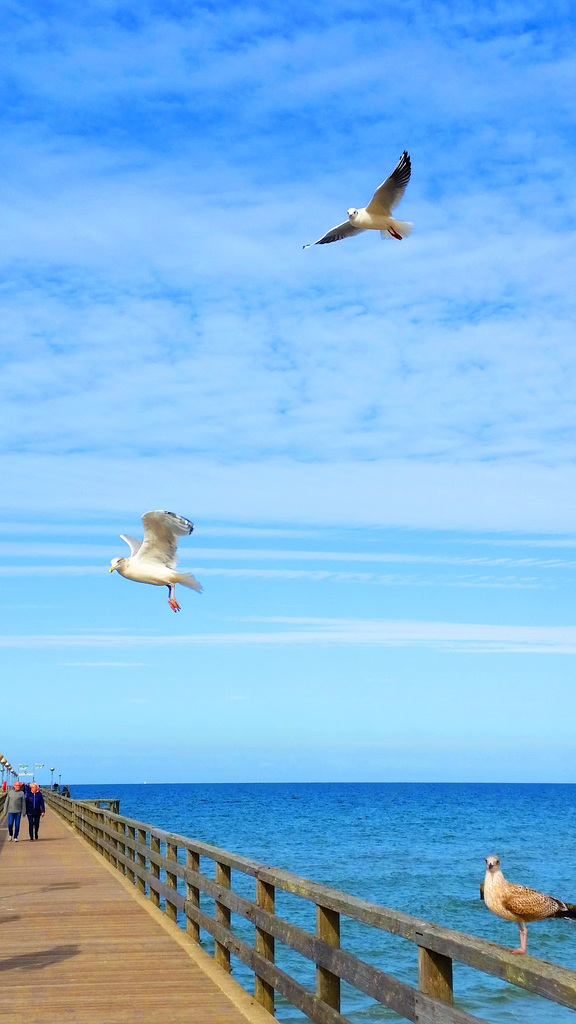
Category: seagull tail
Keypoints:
(397, 229)
(188, 580)
(570, 910)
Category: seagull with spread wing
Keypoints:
(378, 214)
(154, 559)
(518, 903)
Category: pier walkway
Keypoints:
(79, 944)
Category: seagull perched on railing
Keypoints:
(377, 215)
(518, 903)
(154, 559)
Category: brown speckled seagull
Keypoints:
(518, 903)
(154, 559)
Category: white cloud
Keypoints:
(52, 570)
(456, 346)
(467, 495)
(312, 575)
(443, 636)
(201, 554)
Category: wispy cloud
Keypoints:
(444, 636)
(103, 664)
(312, 575)
(387, 579)
(454, 348)
(53, 570)
(515, 495)
(202, 554)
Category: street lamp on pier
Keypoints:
(51, 778)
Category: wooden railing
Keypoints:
(167, 867)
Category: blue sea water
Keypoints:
(418, 848)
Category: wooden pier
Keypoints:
(80, 945)
(104, 915)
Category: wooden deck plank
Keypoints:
(81, 945)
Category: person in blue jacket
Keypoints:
(34, 809)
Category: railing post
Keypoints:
(103, 837)
(193, 894)
(172, 880)
(154, 869)
(264, 944)
(328, 929)
(131, 830)
(94, 832)
(141, 859)
(120, 847)
(435, 975)
(222, 915)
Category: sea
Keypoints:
(418, 848)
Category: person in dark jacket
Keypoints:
(16, 807)
(34, 809)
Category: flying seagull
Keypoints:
(377, 214)
(518, 903)
(154, 559)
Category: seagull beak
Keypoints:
(112, 569)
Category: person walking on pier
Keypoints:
(34, 809)
(16, 807)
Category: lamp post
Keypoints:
(59, 777)
(51, 778)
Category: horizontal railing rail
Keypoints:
(108, 804)
(149, 857)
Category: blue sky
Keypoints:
(374, 440)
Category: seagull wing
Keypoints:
(529, 904)
(390, 192)
(161, 533)
(344, 230)
(133, 543)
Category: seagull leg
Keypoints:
(171, 599)
(523, 938)
(394, 234)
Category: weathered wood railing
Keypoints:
(149, 858)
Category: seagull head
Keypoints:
(116, 563)
(352, 214)
(492, 862)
